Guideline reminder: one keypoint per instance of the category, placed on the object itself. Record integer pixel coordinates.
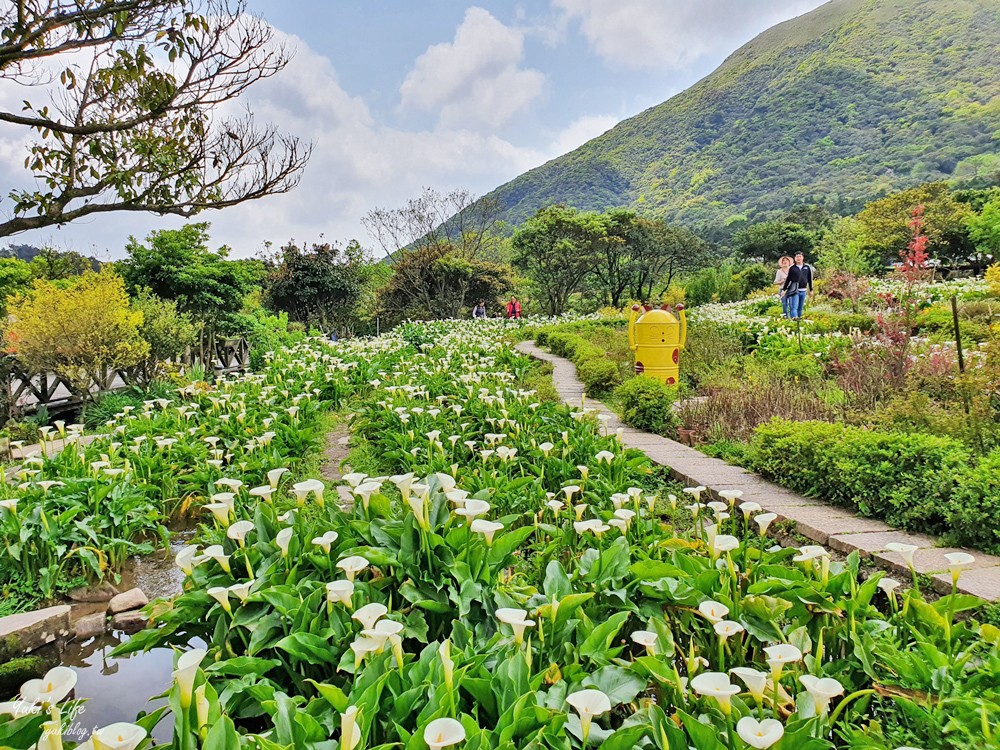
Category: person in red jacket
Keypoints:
(513, 308)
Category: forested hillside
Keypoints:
(850, 101)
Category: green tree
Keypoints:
(320, 286)
(842, 248)
(176, 264)
(15, 277)
(140, 125)
(168, 331)
(770, 240)
(557, 249)
(54, 265)
(984, 228)
(81, 332)
(886, 224)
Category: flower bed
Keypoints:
(512, 580)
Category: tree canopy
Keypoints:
(123, 101)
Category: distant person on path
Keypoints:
(797, 286)
(784, 263)
(513, 308)
(479, 311)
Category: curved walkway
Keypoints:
(820, 522)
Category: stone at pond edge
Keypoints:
(90, 626)
(18, 671)
(129, 622)
(102, 592)
(30, 630)
(131, 599)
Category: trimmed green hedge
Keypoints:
(913, 481)
(593, 367)
(648, 404)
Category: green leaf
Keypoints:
(618, 683)
(598, 642)
(307, 647)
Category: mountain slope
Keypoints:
(852, 100)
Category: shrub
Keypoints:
(648, 404)
(904, 479)
(973, 510)
(993, 279)
(598, 374)
(98, 412)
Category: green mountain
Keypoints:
(848, 102)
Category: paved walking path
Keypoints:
(825, 524)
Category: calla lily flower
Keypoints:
(749, 508)
(443, 733)
(822, 690)
(487, 528)
(118, 736)
(905, 551)
(695, 492)
(353, 565)
(51, 689)
(220, 511)
(780, 655)
(326, 540)
(759, 734)
(239, 530)
(956, 562)
(728, 628)
(263, 492)
(888, 585)
(647, 639)
(233, 484)
(221, 595)
(763, 521)
(340, 591)
(216, 553)
(241, 590)
(365, 490)
(473, 509)
(362, 647)
(810, 552)
(350, 733)
(274, 476)
(604, 457)
(314, 487)
(588, 704)
(10, 505)
(355, 478)
(185, 672)
(714, 611)
(517, 619)
(730, 496)
(580, 510)
(716, 685)
(185, 558)
(569, 491)
(369, 614)
(754, 679)
(724, 543)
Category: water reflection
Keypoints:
(118, 689)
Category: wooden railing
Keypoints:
(24, 392)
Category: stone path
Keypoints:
(825, 524)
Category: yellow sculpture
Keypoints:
(656, 338)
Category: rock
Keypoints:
(129, 622)
(131, 599)
(19, 670)
(90, 626)
(30, 630)
(102, 592)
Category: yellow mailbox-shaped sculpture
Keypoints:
(656, 338)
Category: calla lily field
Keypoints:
(506, 576)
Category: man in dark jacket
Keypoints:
(797, 286)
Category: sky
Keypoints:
(399, 95)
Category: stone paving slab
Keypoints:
(821, 522)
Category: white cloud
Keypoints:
(476, 79)
(672, 34)
(580, 131)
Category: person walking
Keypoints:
(797, 286)
(479, 311)
(784, 263)
(513, 308)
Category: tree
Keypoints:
(53, 265)
(842, 248)
(81, 332)
(168, 331)
(886, 224)
(770, 240)
(557, 248)
(133, 120)
(984, 228)
(321, 286)
(449, 281)
(176, 264)
(15, 277)
(435, 244)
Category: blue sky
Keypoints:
(401, 94)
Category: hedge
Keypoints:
(915, 481)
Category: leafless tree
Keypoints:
(132, 121)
